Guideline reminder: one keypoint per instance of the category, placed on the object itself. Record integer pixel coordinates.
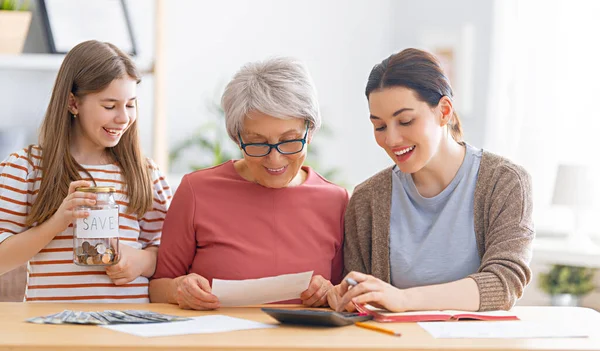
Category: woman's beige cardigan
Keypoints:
(503, 227)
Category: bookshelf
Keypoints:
(52, 62)
(39, 62)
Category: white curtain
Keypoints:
(545, 89)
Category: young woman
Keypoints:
(89, 137)
(449, 226)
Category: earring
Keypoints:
(74, 116)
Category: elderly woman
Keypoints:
(263, 215)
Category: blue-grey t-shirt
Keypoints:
(432, 240)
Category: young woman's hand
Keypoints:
(67, 212)
(316, 294)
(370, 290)
(334, 299)
(193, 292)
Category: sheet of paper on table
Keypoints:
(233, 293)
(505, 329)
(198, 325)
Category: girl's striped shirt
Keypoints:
(51, 274)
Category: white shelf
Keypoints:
(50, 62)
(38, 62)
(561, 251)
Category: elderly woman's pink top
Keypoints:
(222, 226)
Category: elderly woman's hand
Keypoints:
(193, 292)
(316, 294)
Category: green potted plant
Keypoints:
(210, 143)
(567, 284)
(15, 19)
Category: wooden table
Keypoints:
(15, 334)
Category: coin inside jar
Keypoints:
(97, 259)
(106, 258)
(90, 253)
(100, 248)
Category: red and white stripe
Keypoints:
(52, 275)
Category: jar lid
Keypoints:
(97, 189)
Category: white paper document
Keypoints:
(504, 330)
(198, 325)
(259, 291)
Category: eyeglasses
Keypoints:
(288, 147)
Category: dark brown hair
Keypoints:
(419, 71)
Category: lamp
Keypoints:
(575, 188)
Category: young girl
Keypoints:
(449, 226)
(89, 137)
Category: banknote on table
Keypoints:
(56, 318)
(158, 317)
(106, 317)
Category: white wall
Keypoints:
(206, 42)
(340, 40)
(417, 21)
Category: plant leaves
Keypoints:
(563, 279)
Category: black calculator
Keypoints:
(316, 318)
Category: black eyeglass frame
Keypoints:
(275, 146)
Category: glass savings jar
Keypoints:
(96, 238)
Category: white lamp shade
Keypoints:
(574, 187)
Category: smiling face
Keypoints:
(103, 117)
(409, 130)
(273, 170)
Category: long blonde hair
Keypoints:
(88, 68)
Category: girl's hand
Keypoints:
(130, 265)
(66, 213)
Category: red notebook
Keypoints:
(431, 316)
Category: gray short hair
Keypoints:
(280, 87)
